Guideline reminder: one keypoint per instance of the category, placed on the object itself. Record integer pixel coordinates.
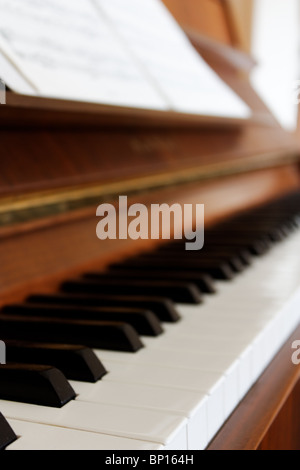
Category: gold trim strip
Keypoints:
(41, 204)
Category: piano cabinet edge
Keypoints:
(268, 417)
(35, 112)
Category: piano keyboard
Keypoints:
(186, 376)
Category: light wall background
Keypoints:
(275, 45)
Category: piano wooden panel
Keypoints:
(206, 16)
(50, 249)
(56, 147)
(284, 433)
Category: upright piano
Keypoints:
(195, 348)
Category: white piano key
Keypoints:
(215, 326)
(259, 361)
(32, 436)
(239, 347)
(255, 316)
(199, 361)
(211, 384)
(131, 423)
(210, 346)
(245, 371)
(196, 360)
(190, 405)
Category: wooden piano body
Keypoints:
(59, 160)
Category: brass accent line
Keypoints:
(63, 200)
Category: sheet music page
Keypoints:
(65, 49)
(170, 61)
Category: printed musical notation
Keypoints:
(170, 61)
(66, 50)
(129, 53)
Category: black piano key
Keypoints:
(241, 257)
(243, 254)
(35, 384)
(164, 309)
(256, 248)
(94, 334)
(204, 283)
(278, 234)
(214, 242)
(217, 270)
(273, 230)
(177, 292)
(7, 435)
(144, 322)
(217, 252)
(75, 362)
(235, 263)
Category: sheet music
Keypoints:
(64, 49)
(169, 60)
(127, 53)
